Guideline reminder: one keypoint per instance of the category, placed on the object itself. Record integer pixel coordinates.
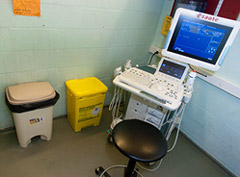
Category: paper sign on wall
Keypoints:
(166, 25)
(26, 7)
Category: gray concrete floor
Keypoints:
(70, 154)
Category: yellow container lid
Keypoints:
(86, 86)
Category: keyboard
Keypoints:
(139, 77)
(161, 87)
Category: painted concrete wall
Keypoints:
(73, 39)
(76, 39)
(212, 118)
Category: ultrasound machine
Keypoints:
(159, 95)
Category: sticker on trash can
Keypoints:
(35, 120)
(89, 112)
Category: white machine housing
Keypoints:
(164, 87)
(142, 109)
(191, 31)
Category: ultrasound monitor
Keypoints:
(200, 39)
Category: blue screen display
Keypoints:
(172, 69)
(199, 39)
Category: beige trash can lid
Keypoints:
(30, 93)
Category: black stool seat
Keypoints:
(139, 140)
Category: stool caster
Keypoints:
(134, 174)
(100, 170)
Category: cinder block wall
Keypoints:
(73, 39)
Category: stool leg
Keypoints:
(130, 168)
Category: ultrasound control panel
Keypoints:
(165, 85)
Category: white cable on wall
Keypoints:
(220, 2)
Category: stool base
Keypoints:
(100, 170)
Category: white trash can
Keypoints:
(31, 105)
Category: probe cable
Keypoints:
(178, 130)
(115, 103)
(171, 120)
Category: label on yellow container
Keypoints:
(89, 112)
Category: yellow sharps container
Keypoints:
(85, 100)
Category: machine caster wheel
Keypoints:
(109, 138)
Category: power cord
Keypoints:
(151, 57)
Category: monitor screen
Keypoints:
(200, 39)
(172, 69)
